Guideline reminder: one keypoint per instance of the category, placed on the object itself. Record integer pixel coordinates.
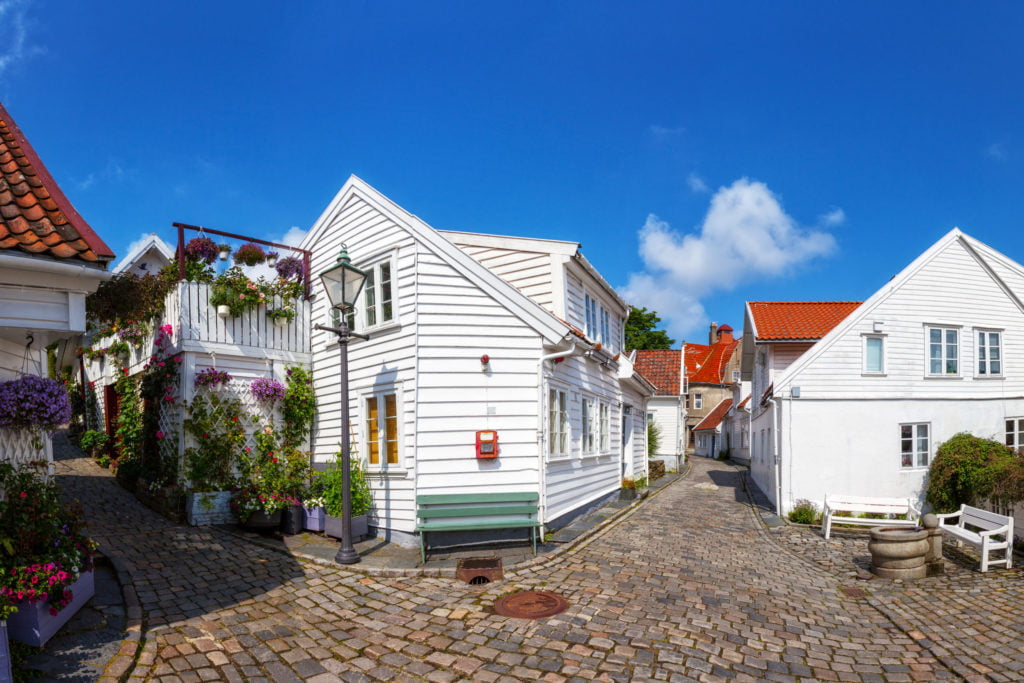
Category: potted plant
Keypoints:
(223, 251)
(215, 425)
(272, 257)
(201, 249)
(281, 316)
(212, 378)
(36, 405)
(94, 442)
(46, 566)
(290, 268)
(361, 498)
(266, 389)
(313, 503)
(235, 290)
(628, 491)
(259, 509)
(250, 254)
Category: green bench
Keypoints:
(476, 512)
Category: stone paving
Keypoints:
(688, 586)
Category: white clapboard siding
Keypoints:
(386, 361)
(530, 272)
(667, 419)
(951, 289)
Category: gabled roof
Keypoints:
(148, 243)
(714, 418)
(35, 216)
(797, 320)
(551, 328)
(661, 368)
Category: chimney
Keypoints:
(725, 334)
(711, 334)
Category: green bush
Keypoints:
(362, 499)
(804, 512)
(653, 439)
(967, 469)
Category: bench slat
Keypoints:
(489, 511)
(470, 526)
(461, 498)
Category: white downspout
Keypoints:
(777, 455)
(571, 350)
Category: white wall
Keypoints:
(668, 416)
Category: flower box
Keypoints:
(314, 518)
(360, 527)
(263, 521)
(34, 625)
(291, 520)
(206, 508)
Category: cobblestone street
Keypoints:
(688, 585)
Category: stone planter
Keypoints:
(210, 507)
(291, 520)
(261, 521)
(360, 527)
(314, 518)
(5, 654)
(899, 552)
(33, 624)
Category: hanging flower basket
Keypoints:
(223, 251)
(250, 254)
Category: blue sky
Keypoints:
(704, 154)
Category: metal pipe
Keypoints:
(571, 350)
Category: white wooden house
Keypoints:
(468, 333)
(50, 259)
(854, 399)
(147, 257)
(666, 409)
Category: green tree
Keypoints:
(641, 332)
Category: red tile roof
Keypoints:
(35, 216)
(660, 367)
(714, 418)
(793, 320)
(712, 366)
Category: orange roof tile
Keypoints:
(660, 367)
(793, 320)
(714, 418)
(35, 216)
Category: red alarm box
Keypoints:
(487, 444)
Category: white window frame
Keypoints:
(1015, 433)
(736, 376)
(698, 401)
(983, 352)
(588, 421)
(604, 427)
(590, 307)
(944, 344)
(375, 286)
(558, 423)
(380, 394)
(915, 453)
(880, 338)
(606, 330)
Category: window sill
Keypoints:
(389, 473)
(984, 377)
(874, 374)
(943, 377)
(371, 331)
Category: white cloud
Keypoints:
(996, 151)
(662, 133)
(697, 184)
(833, 218)
(746, 235)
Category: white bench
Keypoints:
(835, 504)
(989, 525)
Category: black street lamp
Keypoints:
(343, 282)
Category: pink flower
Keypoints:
(24, 495)
(159, 435)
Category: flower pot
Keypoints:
(360, 527)
(208, 507)
(261, 521)
(314, 518)
(34, 625)
(291, 520)
(223, 254)
(223, 310)
(281, 322)
(5, 654)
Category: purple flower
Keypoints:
(32, 401)
(201, 249)
(290, 268)
(211, 377)
(266, 389)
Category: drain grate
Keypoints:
(479, 570)
(531, 605)
(852, 592)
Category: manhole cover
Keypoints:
(531, 605)
(852, 592)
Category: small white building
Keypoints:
(50, 259)
(855, 399)
(474, 333)
(666, 409)
(147, 257)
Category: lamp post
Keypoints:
(343, 282)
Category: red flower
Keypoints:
(24, 495)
